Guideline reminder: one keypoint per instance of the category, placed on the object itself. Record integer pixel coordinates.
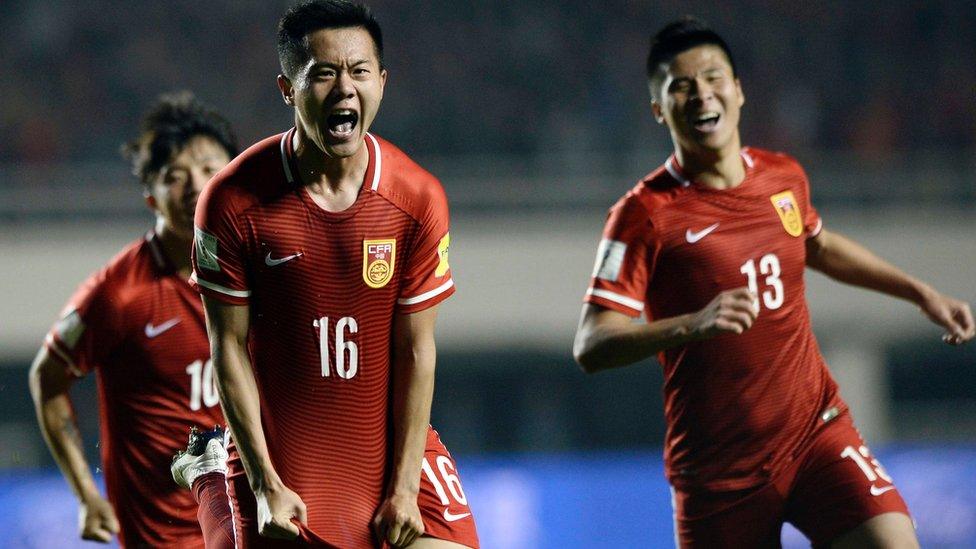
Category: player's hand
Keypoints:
(732, 311)
(953, 315)
(96, 519)
(398, 520)
(276, 509)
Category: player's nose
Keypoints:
(343, 85)
(701, 90)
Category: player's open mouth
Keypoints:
(342, 122)
(706, 121)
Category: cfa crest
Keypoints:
(789, 212)
(379, 258)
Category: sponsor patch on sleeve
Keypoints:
(70, 328)
(609, 259)
(442, 252)
(206, 248)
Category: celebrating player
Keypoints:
(322, 254)
(711, 247)
(140, 326)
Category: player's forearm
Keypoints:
(56, 419)
(602, 346)
(240, 402)
(847, 261)
(413, 391)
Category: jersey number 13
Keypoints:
(772, 297)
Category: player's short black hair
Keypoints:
(308, 17)
(168, 126)
(676, 37)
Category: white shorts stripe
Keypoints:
(219, 288)
(635, 304)
(427, 295)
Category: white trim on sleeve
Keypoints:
(52, 344)
(427, 295)
(219, 288)
(617, 298)
(816, 230)
(377, 162)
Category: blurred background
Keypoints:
(535, 115)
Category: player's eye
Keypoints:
(174, 177)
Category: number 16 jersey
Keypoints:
(737, 406)
(323, 288)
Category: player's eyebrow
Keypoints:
(328, 65)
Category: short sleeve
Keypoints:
(427, 279)
(88, 328)
(812, 222)
(218, 257)
(623, 261)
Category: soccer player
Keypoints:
(139, 326)
(322, 254)
(711, 247)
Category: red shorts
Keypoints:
(443, 505)
(831, 488)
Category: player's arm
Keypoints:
(227, 326)
(50, 383)
(847, 261)
(609, 339)
(414, 356)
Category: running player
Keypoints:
(139, 326)
(322, 254)
(711, 247)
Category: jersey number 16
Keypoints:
(346, 352)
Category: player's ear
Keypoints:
(658, 111)
(738, 90)
(287, 90)
(150, 199)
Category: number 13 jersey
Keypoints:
(736, 406)
(323, 288)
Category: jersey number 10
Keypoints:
(202, 387)
(346, 352)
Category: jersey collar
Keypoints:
(673, 168)
(374, 164)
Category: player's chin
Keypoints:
(342, 149)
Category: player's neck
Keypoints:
(333, 182)
(175, 246)
(723, 169)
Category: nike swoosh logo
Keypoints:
(693, 237)
(451, 517)
(153, 331)
(875, 491)
(273, 262)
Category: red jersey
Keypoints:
(323, 288)
(737, 406)
(140, 327)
